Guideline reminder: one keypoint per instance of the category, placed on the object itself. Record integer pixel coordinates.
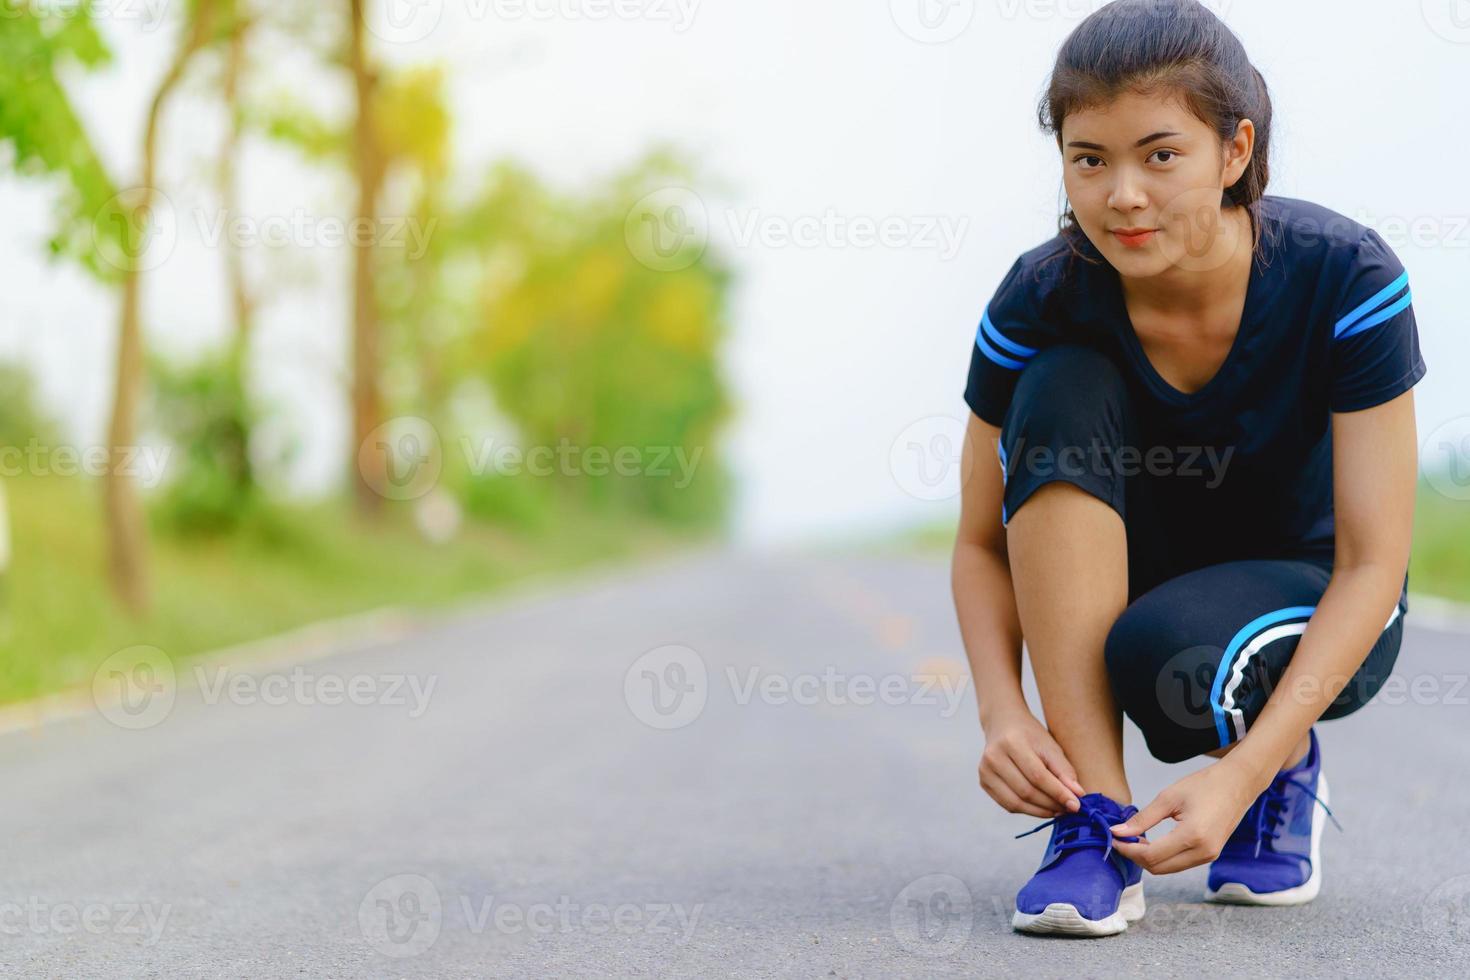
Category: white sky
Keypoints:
(796, 110)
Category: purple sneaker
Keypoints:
(1083, 887)
(1274, 857)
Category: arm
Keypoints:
(980, 578)
(1375, 462)
(1374, 467)
(1023, 768)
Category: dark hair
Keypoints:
(1175, 46)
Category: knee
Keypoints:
(1162, 678)
(1062, 388)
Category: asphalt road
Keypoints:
(726, 764)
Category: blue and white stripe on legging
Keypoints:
(1249, 641)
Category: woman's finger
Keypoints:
(1183, 861)
(1007, 770)
(1056, 761)
(1009, 802)
(1045, 780)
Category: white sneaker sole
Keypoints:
(1235, 893)
(1062, 918)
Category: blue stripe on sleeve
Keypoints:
(1378, 297)
(1379, 317)
(997, 338)
(995, 355)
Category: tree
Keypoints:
(126, 532)
(367, 161)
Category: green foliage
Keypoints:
(583, 341)
(544, 298)
(43, 134)
(205, 412)
(512, 501)
(21, 416)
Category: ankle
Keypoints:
(1298, 754)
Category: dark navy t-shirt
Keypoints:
(1328, 326)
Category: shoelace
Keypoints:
(1072, 838)
(1273, 801)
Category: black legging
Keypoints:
(1208, 630)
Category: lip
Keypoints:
(1134, 237)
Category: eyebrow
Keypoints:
(1143, 142)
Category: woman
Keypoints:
(1199, 399)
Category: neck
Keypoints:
(1200, 282)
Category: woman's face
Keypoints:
(1145, 163)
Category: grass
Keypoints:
(283, 569)
(1438, 565)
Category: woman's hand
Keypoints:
(1206, 807)
(1024, 769)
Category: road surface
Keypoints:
(725, 764)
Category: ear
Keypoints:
(1238, 152)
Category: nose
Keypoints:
(1127, 192)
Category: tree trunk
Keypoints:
(368, 468)
(122, 509)
(242, 304)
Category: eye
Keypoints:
(1083, 159)
(1168, 153)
